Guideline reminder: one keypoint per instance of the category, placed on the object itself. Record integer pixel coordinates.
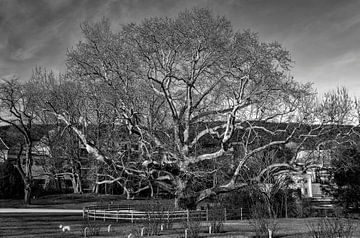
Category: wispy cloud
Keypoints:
(320, 34)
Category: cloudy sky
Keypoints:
(323, 36)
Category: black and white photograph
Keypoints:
(180, 118)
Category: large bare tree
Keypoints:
(198, 96)
(207, 73)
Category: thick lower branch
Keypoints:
(89, 148)
(219, 190)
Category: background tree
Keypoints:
(18, 107)
(345, 182)
(112, 96)
(337, 107)
(67, 159)
(11, 183)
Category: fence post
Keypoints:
(86, 231)
(117, 215)
(186, 233)
(142, 231)
(241, 213)
(168, 218)
(104, 214)
(188, 215)
(224, 214)
(207, 214)
(94, 214)
(132, 216)
(83, 212)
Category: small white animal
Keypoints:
(64, 228)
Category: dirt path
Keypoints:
(39, 210)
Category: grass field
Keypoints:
(77, 201)
(47, 225)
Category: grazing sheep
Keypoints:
(64, 228)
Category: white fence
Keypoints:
(127, 213)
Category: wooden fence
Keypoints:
(128, 213)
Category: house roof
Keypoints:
(11, 136)
(322, 157)
(3, 146)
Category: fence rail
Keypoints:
(128, 213)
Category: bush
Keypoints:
(263, 222)
(11, 184)
(246, 198)
(216, 218)
(332, 228)
(235, 200)
(93, 229)
(193, 226)
(344, 182)
(157, 216)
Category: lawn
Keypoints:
(78, 201)
(47, 225)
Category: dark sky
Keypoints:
(323, 36)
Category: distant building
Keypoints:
(316, 175)
(40, 153)
(4, 150)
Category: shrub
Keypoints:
(262, 221)
(93, 228)
(11, 184)
(216, 218)
(332, 228)
(193, 225)
(157, 216)
(235, 200)
(344, 182)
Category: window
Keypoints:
(321, 176)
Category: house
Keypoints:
(316, 175)
(12, 144)
(4, 150)
(40, 153)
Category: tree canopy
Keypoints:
(165, 76)
(174, 83)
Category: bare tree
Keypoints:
(337, 107)
(89, 113)
(17, 103)
(179, 83)
(207, 73)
